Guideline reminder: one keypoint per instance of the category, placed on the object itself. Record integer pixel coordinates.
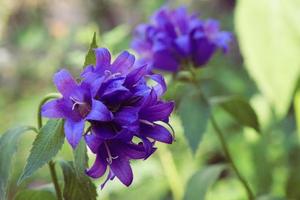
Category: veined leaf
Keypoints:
(201, 181)
(194, 112)
(268, 33)
(45, 146)
(77, 187)
(81, 158)
(8, 147)
(90, 58)
(239, 109)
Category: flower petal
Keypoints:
(99, 112)
(126, 115)
(163, 60)
(74, 131)
(158, 133)
(104, 130)
(123, 63)
(148, 146)
(134, 76)
(202, 51)
(87, 70)
(110, 176)
(96, 85)
(126, 133)
(183, 44)
(103, 58)
(150, 99)
(161, 86)
(93, 142)
(158, 112)
(53, 109)
(98, 168)
(134, 151)
(65, 83)
(121, 168)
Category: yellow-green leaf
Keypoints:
(268, 33)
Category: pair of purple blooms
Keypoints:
(123, 112)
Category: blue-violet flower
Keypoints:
(122, 113)
(174, 38)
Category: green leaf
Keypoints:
(293, 181)
(268, 33)
(268, 197)
(81, 158)
(201, 181)
(194, 112)
(262, 168)
(77, 187)
(8, 147)
(239, 109)
(35, 195)
(90, 58)
(45, 146)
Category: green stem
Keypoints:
(297, 110)
(243, 181)
(171, 172)
(51, 164)
(229, 158)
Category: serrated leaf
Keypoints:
(8, 147)
(35, 195)
(268, 32)
(90, 58)
(81, 158)
(239, 109)
(45, 146)
(194, 113)
(201, 181)
(77, 187)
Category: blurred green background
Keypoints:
(37, 37)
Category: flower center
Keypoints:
(82, 108)
(110, 158)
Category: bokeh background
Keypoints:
(38, 37)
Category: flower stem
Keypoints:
(229, 158)
(51, 164)
(297, 110)
(171, 172)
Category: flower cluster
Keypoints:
(121, 108)
(174, 38)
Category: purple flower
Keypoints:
(76, 106)
(116, 155)
(119, 105)
(174, 38)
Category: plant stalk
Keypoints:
(51, 164)
(229, 158)
(171, 172)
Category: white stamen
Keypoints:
(76, 102)
(147, 122)
(110, 157)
